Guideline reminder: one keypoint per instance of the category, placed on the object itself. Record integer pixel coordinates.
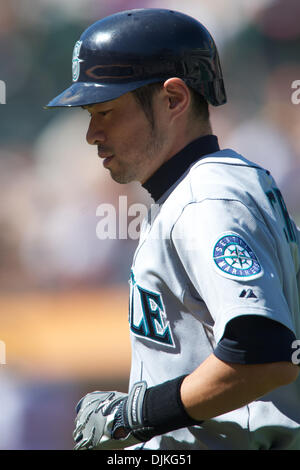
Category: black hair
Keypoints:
(145, 94)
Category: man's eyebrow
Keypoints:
(89, 107)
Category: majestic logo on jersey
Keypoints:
(76, 61)
(147, 315)
(233, 256)
(247, 294)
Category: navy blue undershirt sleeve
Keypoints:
(253, 339)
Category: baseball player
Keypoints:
(214, 285)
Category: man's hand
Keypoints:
(110, 420)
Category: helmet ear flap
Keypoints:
(214, 92)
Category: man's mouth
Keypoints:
(107, 160)
(106, 156)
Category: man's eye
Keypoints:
(103, 113)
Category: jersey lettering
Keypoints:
(153, 323)
(278, 204)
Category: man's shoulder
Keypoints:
(224, 161)
(224, 174)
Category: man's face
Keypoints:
(131, 149)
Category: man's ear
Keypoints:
(179, 97)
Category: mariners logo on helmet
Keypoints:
(76, 61)
(234, 257)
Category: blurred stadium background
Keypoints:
(64, 292)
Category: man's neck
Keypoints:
(168, 173)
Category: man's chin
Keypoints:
(121, 179)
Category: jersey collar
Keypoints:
(171, 171)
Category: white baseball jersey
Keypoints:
(219, 244)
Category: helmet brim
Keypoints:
(87, 93)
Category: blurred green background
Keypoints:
(63, 291)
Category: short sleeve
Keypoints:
(230, 257)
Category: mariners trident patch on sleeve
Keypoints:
(234, 257)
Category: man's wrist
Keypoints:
(146, 413)
(163, 407)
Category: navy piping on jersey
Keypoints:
(248, 339)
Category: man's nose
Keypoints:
(95, 133)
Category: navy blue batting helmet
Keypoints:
(133, 48)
